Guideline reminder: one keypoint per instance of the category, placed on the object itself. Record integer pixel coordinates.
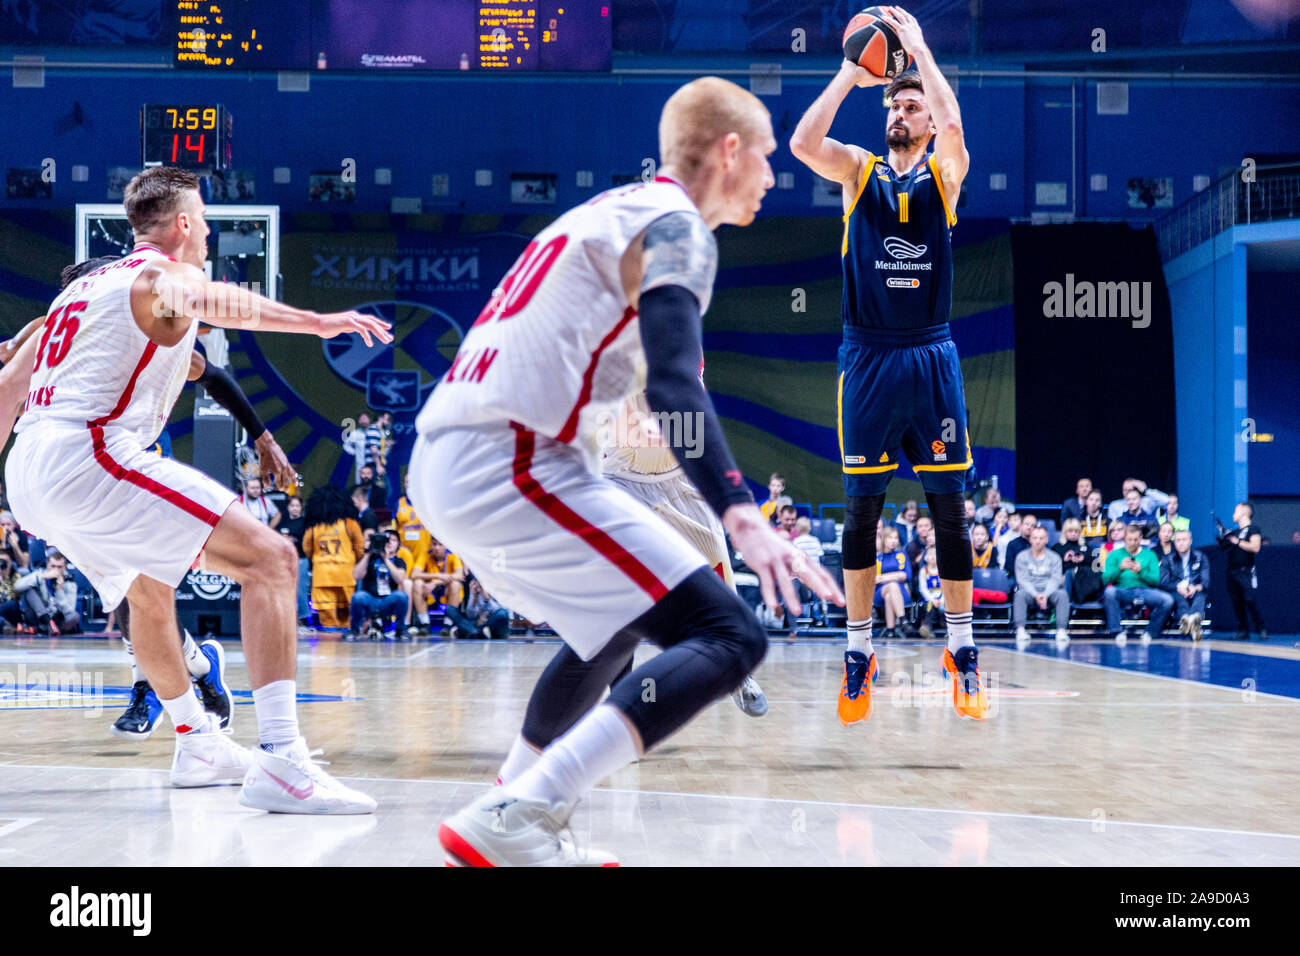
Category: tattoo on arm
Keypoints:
(680, 250)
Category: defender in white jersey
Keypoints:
(605, 302)
(105, 371)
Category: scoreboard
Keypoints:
(526, 35)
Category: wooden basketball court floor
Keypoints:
(1170, 754)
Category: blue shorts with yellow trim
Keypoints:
(902, 392)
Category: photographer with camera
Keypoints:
(1242, 544)
(49, 597)
(380, 575)
(483, 617)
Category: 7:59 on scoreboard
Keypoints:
(194, 137)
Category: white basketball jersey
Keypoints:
(95, 367)
(558, 348)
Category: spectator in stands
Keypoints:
(906, 523)
(1040, 580)
(379, 439)
(11, 609)
(483, 616)
(334, 542)
(1010, 531)
(354, 443)
(969, 505)
(931, 592)
(776, 497)
(366, 517)
(1171, 514)
(439, 577)
(1075, 507)
(924, 539)
(1163, 545)
(788, 528)
(983, 554)
(15, 541)
(49, 597)
(1151, 498)
(1133, 513)
(1027, 525)
(1185, 574)
(892, 575)
(1241, 545)
(1076, 556)
(380, 575)
(373, 475)
(1114, 538)
(1132, 572)
(992, 502)
(1093, 524)
(293, 527)
(258, 505)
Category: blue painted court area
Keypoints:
(1195, 662)
(80, 692)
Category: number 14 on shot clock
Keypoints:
(190, 136)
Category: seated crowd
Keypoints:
(1133, 551)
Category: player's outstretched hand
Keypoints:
(340, 323)
(861, 77)
(776, 562)
(272, 462)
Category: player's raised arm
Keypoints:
(949, 141)
(829, 158)
(167, 296)
(9, 348)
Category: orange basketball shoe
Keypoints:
(968, 697)
(855, 693)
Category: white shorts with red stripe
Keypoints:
(548, 539)
(672, 497)
(116, 511)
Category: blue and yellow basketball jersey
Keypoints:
(897, 249)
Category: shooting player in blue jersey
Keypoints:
(900, 383)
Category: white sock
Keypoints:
(521, 758)
(276, 704)
(959, 635)
(195, 659)
(137, 675)
(860, 637)
(186, 712)
(598, 745)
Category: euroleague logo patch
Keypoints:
(940, 450)
(902, 249)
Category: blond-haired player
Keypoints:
(604, 302)
(104, 375)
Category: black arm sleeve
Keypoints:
(231, 397)
(671, 335)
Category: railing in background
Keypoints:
(1274, 194)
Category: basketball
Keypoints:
(872, 44)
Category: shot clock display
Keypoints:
(193, 137)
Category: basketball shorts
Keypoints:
(672, 497)
(901, 393)
(549, 539)
(115, 510)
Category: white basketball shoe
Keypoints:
(500, 830)
(291, 782)
(207, 757)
